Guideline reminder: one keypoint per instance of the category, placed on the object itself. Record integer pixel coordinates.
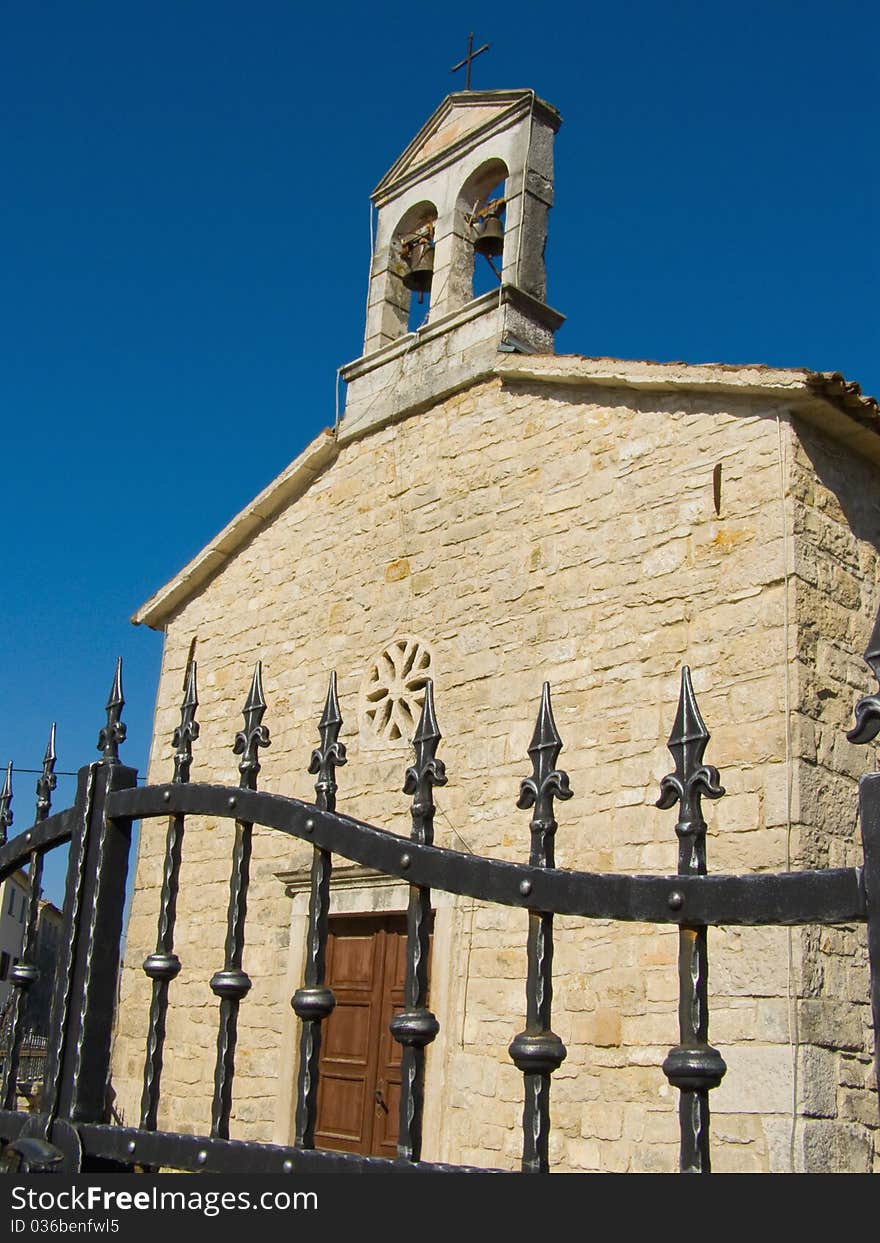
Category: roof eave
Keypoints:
(285, 488)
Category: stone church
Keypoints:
(490, 515)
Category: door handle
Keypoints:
(380, 1099)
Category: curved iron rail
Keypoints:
(831, 896)
(46, 834)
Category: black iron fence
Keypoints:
(30, 1066)
(75, 1111)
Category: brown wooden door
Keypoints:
(359, 1091)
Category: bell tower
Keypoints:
(465, 205)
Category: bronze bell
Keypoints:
(421, 269)
(490, 238)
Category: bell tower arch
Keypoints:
(482, 211)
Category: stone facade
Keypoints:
(595, 524)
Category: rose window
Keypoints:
(394, 689)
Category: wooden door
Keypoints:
(359, 1091)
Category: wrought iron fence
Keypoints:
(74, 1112)
(30, 1065)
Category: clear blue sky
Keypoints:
(185, 244)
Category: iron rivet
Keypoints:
(201, 1157)
(130, 1146)
(525, 887)
(287, 1167)
(310, 826)
(27, 837)
(232, 802)
(405, 861)
(676, 900)
(166, 796)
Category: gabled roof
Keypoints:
(825, 398)
(464, 118)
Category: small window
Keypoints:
(4, 965)
(11, 909)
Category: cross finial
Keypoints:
(466, 63)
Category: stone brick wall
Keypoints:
(836, 513)
(529, 531)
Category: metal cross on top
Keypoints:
(466, 63)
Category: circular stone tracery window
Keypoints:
(394, 690)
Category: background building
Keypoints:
(13, 913)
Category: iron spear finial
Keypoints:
(114, 731)
(867, 711)
(330, 754)
(692, 778)
(47, 780)
(254, 735)
(426, 772)
(6, 816)
(546, 783)
(187, 731)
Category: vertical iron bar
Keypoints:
(84, 1001)
(24, 974)
(232, 983)
(693, 1066)
(72, 917)
(163, 965)
(415, 1027)
(7, 818)
(869, 807)
(537, 1052)
(314, 1002)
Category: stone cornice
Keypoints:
(345, 876)
(436, 328)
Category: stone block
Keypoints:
(759, 1080)
(825, 1147)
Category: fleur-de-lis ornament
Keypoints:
(692, 779)
(330, 755)
(254, 735)
(187, 731)
(867, 713)
(427, 771)
(47, 781)
(6, 816)
(546, 783)
(113, 733)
